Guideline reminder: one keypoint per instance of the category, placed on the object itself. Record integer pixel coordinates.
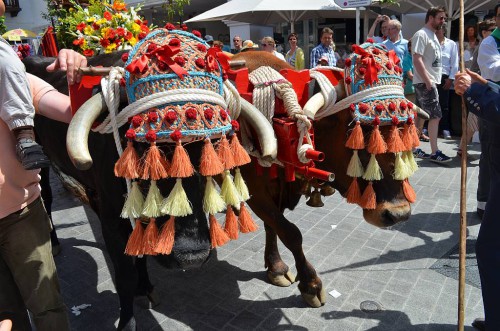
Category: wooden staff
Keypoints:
(463, 185)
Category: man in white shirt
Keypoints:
(426, 54)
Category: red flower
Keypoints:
(196, 33)
(95, 26)
(363, 108)
(77, 42)
(151, 47)
(151, 136)
(130, 134)
(144, 28)
(208, 113)
(136, 121)
(170, 117)
(394, 120)
(125, 57)
(392, 106)
(174, 42)
(184, 27)
(402, 105)
(88, 52)
(201, 48)
(152, 117)
(191, 114)
(376, 121)
(180, 60)
(81, 26)
(379, 107)
(200, 62)
(176, 135)
(348, 62)
(142, 35)
(225, 76)
(235, 125)
(120, 31)
(223, 114)
(128, 35)
(104, 42)
(348, 80)
(20, 47)
(370, 40)
(138, 22)
(107, 15)
(169, 26)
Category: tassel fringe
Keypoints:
(394, 141)
(181, 166)
(356, 139)
(241, 186)
(128, 163)
(231, 224)
(210, 164)
(153, 165)
(153, 201)
(373, 171)
(228, 191)
(353, 194)
(355, 168)
(134, 245)
(401, 170)
(409, 192)
(411, 164)
(212, 201)
(368, 199)
(134, 203)
(150, 238)
(376, 144)
(218, 236)
(166, 237)
(177, 202)
(225, 153)
(247, 224)
(241, 156)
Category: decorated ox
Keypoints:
(385, 200)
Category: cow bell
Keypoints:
(326, 190)
(315, 199)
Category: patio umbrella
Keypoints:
(264, 12)
(18, 34)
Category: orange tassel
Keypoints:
(353, 194)
(152, 166)
(409, 192)
(376, 145)
(368, 199)
(231, 224)
(210, 164)
(166, 238)
(181, 166)
(247, 224)
(134, 245)
(241, 156)
(217, 235)
(356, 139)
(128, 163)
(407, 138)
(150, 238)
(394, 142)
(413, 133)
(225, 154)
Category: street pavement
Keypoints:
(393, 269)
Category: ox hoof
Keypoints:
(281, 280)
(315, 300)
(148, 301)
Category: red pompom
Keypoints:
(169, 26)
(223, 114)
(201, 47)
(196, 33)
(208, 113)
(394, 120)
(224, 76)
(191, 114)
(370, 40)
(409, 121)
(235, 125)
(136, 121)
(376, 121)
(348, 80)
(151, 136)
(152, 47)
(171, 116)
(130, 134)
(200, 62)
(410, 105)
(176, 135)
(375, 51)
(388, 65)
(162, 66)
(348, 62)
(125, 57)
(180, 60)
(392, 106)
(142, 35)
(379, 107)
(363, 107)
(362, 71)
(352, 107)
(184, 27)
(174, 42)
(152, 117)
(402, 105)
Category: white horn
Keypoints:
(264, 130)
(315, 103)
(420, 113)
(78, 131)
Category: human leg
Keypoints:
(483, 186)
(27, 253)
(47, 201)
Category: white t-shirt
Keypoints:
(279, 55)
(488, 59)
(425, 43)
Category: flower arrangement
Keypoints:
(102, 27)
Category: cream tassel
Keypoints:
(134, 204)
(153, 201)
(177, 203)
(212, 201)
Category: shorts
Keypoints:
(428, 100)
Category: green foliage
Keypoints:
(175, 7)
(3, 28)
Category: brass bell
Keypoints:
(326, 190)
(315, 199)
(305, 189)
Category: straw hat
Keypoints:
(247, 44)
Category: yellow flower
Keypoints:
(91, 19)
(88, 30)
(110, 48)
(133, 41)
(102, 21)
(104, 31)
(136, 28)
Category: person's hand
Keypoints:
(428, 85)
(464, 80)
(447, 84)
(476, 78)
(69, 61)
(5, 325)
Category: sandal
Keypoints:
(424, 138)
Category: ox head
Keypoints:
(369, 138)
(179, 104)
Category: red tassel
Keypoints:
(376, 145)
(409, 192)
(225, 154)
(368, 199)
(150, 238)
(181, 166)
(210, 164)
(394, 142)
(166, 237)
(231, 224)
(241, 156)
(134, 245)
(353, 194)
(128, 163)
(152, 166)
(247, 224)
(356, 139)
(217, 235)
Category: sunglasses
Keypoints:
(264, 45)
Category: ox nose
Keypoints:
(388, 213)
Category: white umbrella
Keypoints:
(264, 12)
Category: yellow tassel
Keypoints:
(177, 203)
(153, 201)
(373, 171)
(229, 192)
(134, 204)
(401, 171)
(241, 186)
(411, 164)
(212, 201)
(355, 168)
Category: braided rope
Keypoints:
(232, 98)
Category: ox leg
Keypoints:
(278, 271)
(148, 298)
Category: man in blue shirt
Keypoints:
(395, 41)
(324, 49)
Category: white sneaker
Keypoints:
(446, 134)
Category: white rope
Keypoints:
(232, 98)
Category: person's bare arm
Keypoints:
(48, 101)
(418, 64)
(380, 18)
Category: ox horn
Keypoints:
(317, 101)
(78, 131)
(420, 113)
(262, 127)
